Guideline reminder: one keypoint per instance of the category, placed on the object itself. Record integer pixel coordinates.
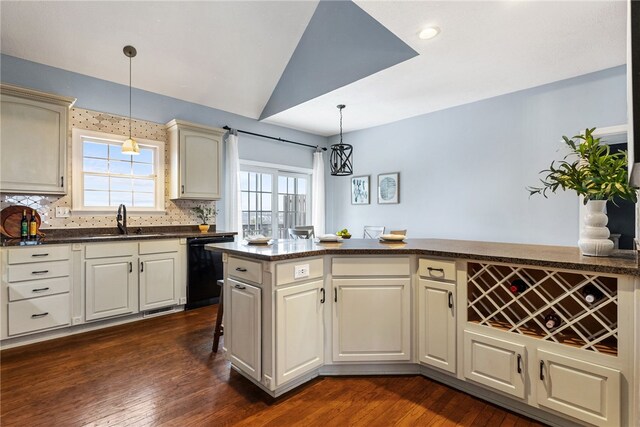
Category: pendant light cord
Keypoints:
(341, 125)
(129, 97)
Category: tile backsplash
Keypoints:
(178, 212)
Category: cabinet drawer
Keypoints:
(387, 266)
(437, 269)
(38, 313)
(40, 270)
(158, 246)
(38, 288)
(285, 272)
(38, 254)
(245, 270)
(108, 250)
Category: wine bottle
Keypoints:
(24, 225)
(33, 226)
(552, 321)
(518, 286)
(591, 294)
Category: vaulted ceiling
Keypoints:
(291, 62)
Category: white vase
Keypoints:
(594, 236)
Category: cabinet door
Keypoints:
(437, 324)
(582, 390)
(243, 328)
(495, 363)
(299, 330)
(33, 142)
(371, 319)
(111, 287)
(200, 160)
(158, 278)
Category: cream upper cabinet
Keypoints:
(33, 141)
(196, 161)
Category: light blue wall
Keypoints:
(104, 96)
(463, 171)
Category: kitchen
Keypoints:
(473, 132)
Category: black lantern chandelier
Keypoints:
(341, 159)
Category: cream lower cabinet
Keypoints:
(586, 391)
(111, 286)
(437, 324)
(243, 336)
(496, 363)
(372, 319)
(159, 274)
(299, 330)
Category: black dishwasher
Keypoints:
(204, 270)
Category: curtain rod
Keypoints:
(276, 139)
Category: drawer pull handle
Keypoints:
(322, 299)
(39, 255)
(39, 315)
(241, 269)
(431, 269)
(39, 289)
(542, 370)
(240, 287)
(450, 298)
(519, 363)
(40, 272)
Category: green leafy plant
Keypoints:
(204, 213)
(590, 169)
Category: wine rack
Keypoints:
(589, 326)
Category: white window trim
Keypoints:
(77, 189)
(283, 170)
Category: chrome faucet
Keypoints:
(121, 219)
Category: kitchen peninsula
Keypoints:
(540, 330)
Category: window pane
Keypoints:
(252, 201)
(115, 152)
(144, 185)
(266, 217)
(145, 156)
(282, 184)
(121, 184)
(252, 181)
(142, 169)
(302, 186)
(280, 202)
(119, 197)
(244, 181)
(123, 168)
(94, 165)
(266, 182)
(245, 201)
(96, 198)
(291, 185)
(266, 201)
(93, 149)
(92, 182)
(143, 200)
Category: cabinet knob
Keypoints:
(450, 299)
(182, 188)
(519, 363)
(62, 181)
(322, 298)
(141, 267)
(542, 370)
(240, 287)
(130, 267)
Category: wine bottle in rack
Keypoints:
(24, 225)
(518, 286)
(591, 294)
(33, 226)
(552, 321)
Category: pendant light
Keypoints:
(341, 159)
(130, 146)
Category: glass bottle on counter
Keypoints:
(33, 226)
(552, 321)
(591, 294)
(24, 225)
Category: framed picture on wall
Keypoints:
(389, 188)
(360, 190)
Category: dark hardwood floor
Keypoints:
(161, 371)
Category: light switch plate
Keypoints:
(300, 271)
(63, 212)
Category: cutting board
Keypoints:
(11, 218)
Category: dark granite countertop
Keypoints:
(91, 235)
(621, 262)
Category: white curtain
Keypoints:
(232, 208)
(317, 194)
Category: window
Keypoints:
(273, 200)
(104, 178)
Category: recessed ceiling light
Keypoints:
(429, 33)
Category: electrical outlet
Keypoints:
(63, 212)
(300, 271)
